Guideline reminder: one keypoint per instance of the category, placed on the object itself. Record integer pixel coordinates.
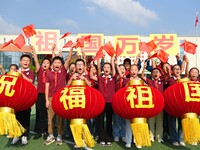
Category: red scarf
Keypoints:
(56, 78)
(44, 75)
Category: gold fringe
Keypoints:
(81, 133)
(141, 133)
(9, 125)
(191, 130)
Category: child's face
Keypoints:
(80, 67)
(176, 71)
(122, 69)
(25, 62)
(156, 74)
(57, 64)
(127, 65)
(94, 70)
(46, 64)
(106, 69)
(134, 71)
(13, 69)
(193, 74)
(72, 68)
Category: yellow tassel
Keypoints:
(81, 133)
(9, 124)
(140, 132)
(191, 128)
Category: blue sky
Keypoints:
(110, 17)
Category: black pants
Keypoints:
(105, 132)
(24, 119)
(41, 123)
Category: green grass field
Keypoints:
(68, 144)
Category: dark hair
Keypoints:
(57, 58)
(16, 66)
(95, 66)
(80, 60)
(72, 63)
(46, 58)
(107, 63)
(156, 69)
(193, 69)
(127, 60)
(121, 65)
(25, 55)
(175, 66)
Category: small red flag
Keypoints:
(147, 47)
(189, 47)
(68, 44)
(6, 44)
(119, 51)
(99, 54)
(161, 55)
(79, 43)
(66, 34)
(143, 47)
(29, 30)
(151, 44)
(19, 41)
(197, 20)
(109, 49)
(87, 38)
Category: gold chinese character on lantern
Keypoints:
(192, 92)
(6, 82)
(73, 97)
(143, 98)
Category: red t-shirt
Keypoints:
(108, 89)
(53, 85)
(123, 83)
(159, 86)
(41, 84)
(29, 73)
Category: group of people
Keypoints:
(108, 77)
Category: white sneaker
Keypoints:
(139, 146)
(124, 139)
(181, 143)
(50, 139)
(24, 140)
(194, 143)
(160, 140)
(59, 140)
(151, 137)
(116, 139)
(175, 143)
(128, 145)
(15, 140)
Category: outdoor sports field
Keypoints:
(69, 145)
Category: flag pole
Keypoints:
(196, 25)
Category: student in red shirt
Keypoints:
(176, 138)
(80, 73)
(155, 123)
(119, 124)
(24, 116)
(55, 80)
(41, 124)
(106, 84)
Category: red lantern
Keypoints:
(16, 94)
(183, 100)
(78, 103)
(138, 102)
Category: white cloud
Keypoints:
(129, 10)
(8, 28)
(68, 23)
